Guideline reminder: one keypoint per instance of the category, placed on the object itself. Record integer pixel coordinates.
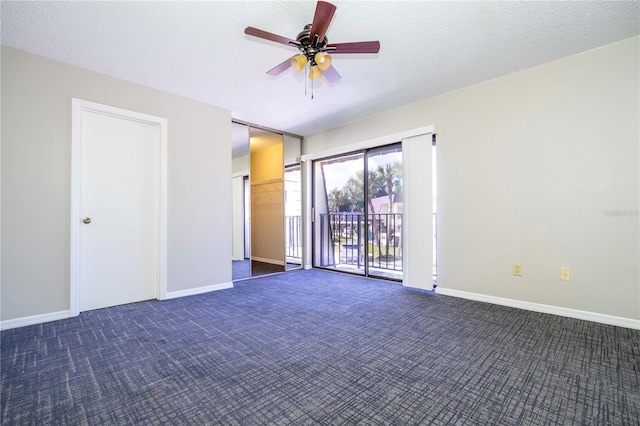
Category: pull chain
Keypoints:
(305, 80)
(307, 67)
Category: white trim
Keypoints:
(34, 319)
(546, 309)
(76, 133)
(198, 290)
(307, 219)
(162, 207)
(369, 143)
(406, 224)
(265, 260)
(77, 107)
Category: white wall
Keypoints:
(240, 165)
(530, 167)
(36, 164)
(292, 147)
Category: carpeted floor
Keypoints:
(240, 269)
(315, 347)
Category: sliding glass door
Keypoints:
(358, 212)
(385, 211)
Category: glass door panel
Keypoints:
(358, 214)
(384, 213)
(293, 217)
(339, 237)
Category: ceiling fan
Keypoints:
(314, 46)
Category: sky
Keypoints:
(338, 173)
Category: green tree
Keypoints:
(355, 187)
(353, 191)
(391, 175)
(338, 200)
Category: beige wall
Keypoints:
(530, 167)
(36, 163)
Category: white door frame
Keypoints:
(77, 107)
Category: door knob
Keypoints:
(86, 220)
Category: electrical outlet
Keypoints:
(565, 274)
(516, 269)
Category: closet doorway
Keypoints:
(266, 201)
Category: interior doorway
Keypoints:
(267, 197)
(118, 212)
(358, 212)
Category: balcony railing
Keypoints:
(293, 237)
(381, 240)
(341, 240)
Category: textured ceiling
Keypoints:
(199, 50)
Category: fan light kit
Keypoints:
(314, 46)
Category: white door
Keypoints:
(119, 210)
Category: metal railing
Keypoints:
(347, 234)
(293, 237)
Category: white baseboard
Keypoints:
(198, 290)
(546, 309)
(34, 319)
(54, 316)
(265, 260)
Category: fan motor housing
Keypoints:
(306, 44)
(304, 38)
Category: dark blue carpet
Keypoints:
(319, 348)
(240, 269)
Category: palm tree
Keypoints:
(390, 174)
(355, 187)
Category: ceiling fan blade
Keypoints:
(331, 74)
(280, 67)
(269, 36)
(321, 20)
(355, 47)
